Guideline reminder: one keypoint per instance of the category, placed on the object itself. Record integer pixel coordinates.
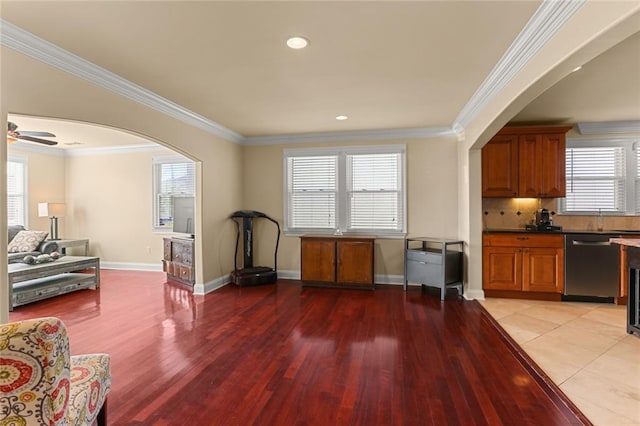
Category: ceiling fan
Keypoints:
(13, 135)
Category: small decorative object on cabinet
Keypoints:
(178, 260)
(434, 262)
(337, 260)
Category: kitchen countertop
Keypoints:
(564, 231)
(630, 242)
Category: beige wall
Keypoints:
(45, 183)
(431, 200)
(110, 201)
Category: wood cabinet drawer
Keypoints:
(523, 240)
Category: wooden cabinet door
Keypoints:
(500, 167)
(355, 262)
(529, 165)
(543, 270)
(502, 268)
(318, 259)
(552, 165)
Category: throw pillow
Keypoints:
(26, 241)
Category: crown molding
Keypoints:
(36, 148)
(80, 152)
(544, 24)
(608, 127)
(110, 150)
(24, 42)
(412, 133)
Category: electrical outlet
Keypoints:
(148, 249)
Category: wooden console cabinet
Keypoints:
(178, 260)
(340, 261)
(525, 162)
(523, 265)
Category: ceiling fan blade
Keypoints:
(38, 140)
(37, 134)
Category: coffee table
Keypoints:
(29, 283)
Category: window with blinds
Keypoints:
(353, 190)
(172, 177)
(312, 192)
(603, 176)
(16, 191)
(374, 192)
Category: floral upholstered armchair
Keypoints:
(41, 384)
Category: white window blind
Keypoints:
(172, 178)
(596, 179)
(16, 191)
(349, 189)
(375, 191)
(312, 192)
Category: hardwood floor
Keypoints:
(284, 355)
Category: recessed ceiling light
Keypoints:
(341, 117)
(297, 42)
(578, 68)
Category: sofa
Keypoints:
(44, 247)
(42, 384)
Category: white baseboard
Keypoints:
(125, 266)
(289, 275)
(474, 294)
(210, 286)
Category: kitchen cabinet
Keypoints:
(525, 162)
(522, 265)
(337, 261)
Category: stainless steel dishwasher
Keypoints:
(591, 265)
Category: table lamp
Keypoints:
(52, 211)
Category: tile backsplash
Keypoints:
(515, 213)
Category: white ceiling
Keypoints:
(386, 65)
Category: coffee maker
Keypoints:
(543, 218)
(544, 222)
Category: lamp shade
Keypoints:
(51, 209)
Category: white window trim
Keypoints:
(163, 160)
(342, 194)
(25, 162)
(630, 145)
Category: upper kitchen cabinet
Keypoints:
(500, 167)
(525, 162)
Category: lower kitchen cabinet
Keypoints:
(522, 265)
(337, 261)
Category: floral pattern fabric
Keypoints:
(41, 384)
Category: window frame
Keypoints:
(342, 204)
(156, 163)
(12, 158)
(630, 146)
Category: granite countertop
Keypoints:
(631, 242)
(564, 231)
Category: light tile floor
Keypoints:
(584, 348)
